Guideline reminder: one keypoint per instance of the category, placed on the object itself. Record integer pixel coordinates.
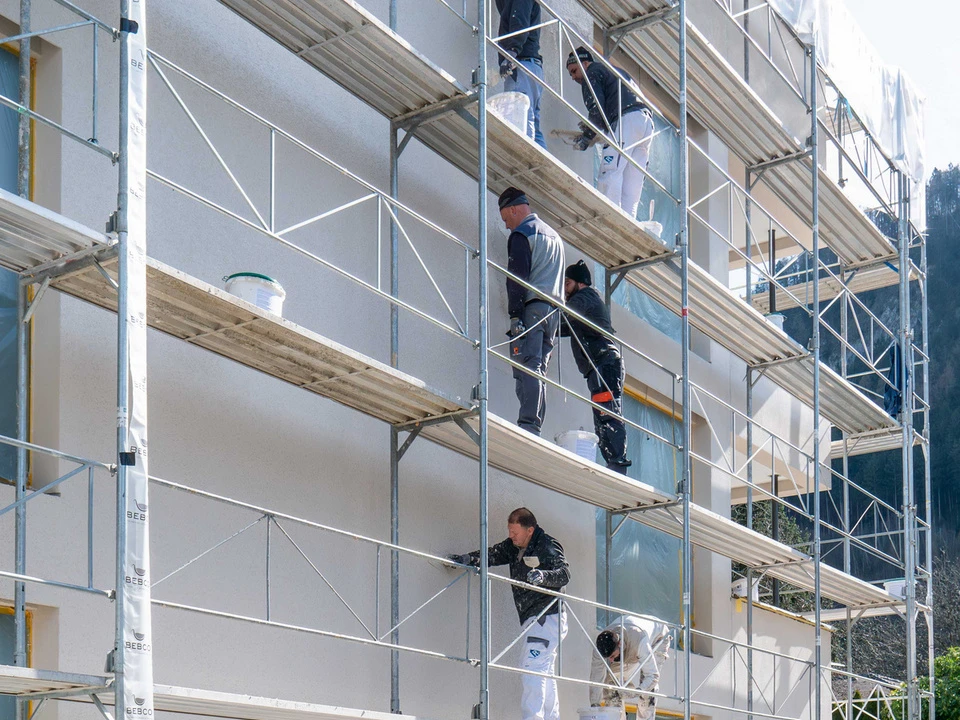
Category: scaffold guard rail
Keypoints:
(31, 684)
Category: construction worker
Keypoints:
(523, 48)
(609, 100)
(536, 559)
(630, 652)
(598, 359)
(536, 257)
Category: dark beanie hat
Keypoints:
(607, 643)
(512, 196)
(579, 273)
(582, 53)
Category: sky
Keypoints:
(922, 39)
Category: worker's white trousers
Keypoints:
(539, 699)
(620, 180)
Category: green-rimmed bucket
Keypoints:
(260, 290)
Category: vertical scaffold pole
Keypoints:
(23, 124)
(394, 457)
(20, 543)
(482, 390)
(815, 351)
(748, 212)
(23, 332)
(686, 490)
(133, 668)
(906, 426)
(123, 372)
(928, 502)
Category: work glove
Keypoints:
(507, 68)
(586, 138)
(459, 559)
(535, 577)
(516, 328)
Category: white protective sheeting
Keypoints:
(135, 660)
(883, 97)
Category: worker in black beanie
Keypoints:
(535, 253)
(598, 359)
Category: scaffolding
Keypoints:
(845, 254)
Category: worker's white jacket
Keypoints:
(644, 646)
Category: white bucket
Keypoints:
(579, 442)
(776, 319)
(738, 589)
(609, 712)
(897, 588)
(513, 107)
(260, 290)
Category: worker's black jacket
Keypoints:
(515, 15)
(554, 566)
(596, 347)
(615, 98)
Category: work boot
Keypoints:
(619, 467)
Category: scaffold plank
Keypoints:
(522, 454)
(211, 318)
(26, 683)
(840, 401)
(836, 615)
(582, 215)
(31, 235)
(719, 314)
(721, 100)
(354, 49)
(864, 280)
(233, 706)
(871, 442)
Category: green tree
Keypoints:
(946, 691)
(790, 534)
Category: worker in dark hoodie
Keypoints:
(599, 360)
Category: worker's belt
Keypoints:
(602, 397)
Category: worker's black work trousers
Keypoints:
(606, 389)
(533, 350)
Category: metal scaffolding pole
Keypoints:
(133, 669)
(483, 9)
(906, 425)
(24, 121)
(844, 329)
(686, 489)
(749, 376)
(394, 456)
(23, 189)
(815, 351)
(123, 371)
(20, 543)
(928, 502)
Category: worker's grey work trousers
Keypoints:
(533, 350)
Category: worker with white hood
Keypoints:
(630, 653)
